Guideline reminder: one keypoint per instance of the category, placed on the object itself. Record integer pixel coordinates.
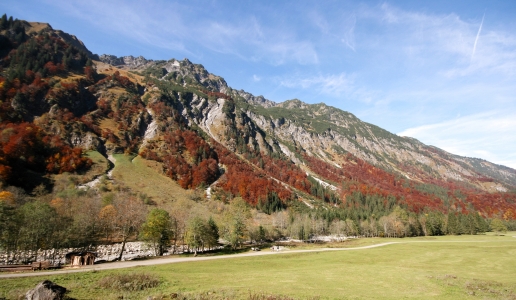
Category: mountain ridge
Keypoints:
(290, 104)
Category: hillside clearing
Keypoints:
(145, 177)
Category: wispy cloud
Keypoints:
(349, 33)
(478, 35)
(341, 29)
(333, 85)
(143, 23)
(487, 135)
(177, 26)
(282, 52)
(444, 44)
(429, 71)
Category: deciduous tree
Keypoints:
(498, 226)
(157, 230)
(234, 227)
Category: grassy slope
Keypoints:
(99, 167)
(143, 176)
(100, 164)
(441, 268)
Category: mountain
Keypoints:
(204, 135)
(319, 130)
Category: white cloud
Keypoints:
(446, 45)
(177, 26)
(478, 35)
(333, 85)
(256, 78)
(490, 135)
(280, 52)
(153, 24)
(349, 33)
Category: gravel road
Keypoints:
(173, 260)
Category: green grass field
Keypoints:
(450, 267)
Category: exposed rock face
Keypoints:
(328, 133)
(87, 141)
(111, 59)
(46, 290)
(130, 61)
(174, 68)
(256, 100)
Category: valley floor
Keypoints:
(449, 267)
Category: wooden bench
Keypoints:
(15, 268)
(41, 265)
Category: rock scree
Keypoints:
(46, 290)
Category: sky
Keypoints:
(443, 72)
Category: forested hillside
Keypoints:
(225, 162)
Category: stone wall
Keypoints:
(133, 250)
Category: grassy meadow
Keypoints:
(449, 267)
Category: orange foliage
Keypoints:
(362, 177)
(245, 180)
(186, 158)
(367, 179)
(7, 197)
(26, 146)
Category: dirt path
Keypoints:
(172, 260)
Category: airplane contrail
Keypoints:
(478, 35)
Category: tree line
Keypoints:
(82, 219)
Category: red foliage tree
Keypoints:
(24, 146)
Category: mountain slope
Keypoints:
(304, 136)
(307, 127)
(204, 134)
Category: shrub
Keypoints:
(129, 282)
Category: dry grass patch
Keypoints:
(36, 27)
(129, 282)
(106, 69)
(145, 177)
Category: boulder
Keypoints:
(46, 290)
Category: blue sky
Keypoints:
(443, 72)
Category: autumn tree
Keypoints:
(498, 226)
(130, 215)
(157, 230)
(196, 233)
(85, 227)
(107, 218)
(300, 227)
(9, 224)
(212, 236)
(37, 226)
(234, 227)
